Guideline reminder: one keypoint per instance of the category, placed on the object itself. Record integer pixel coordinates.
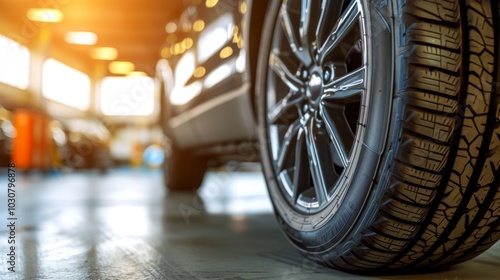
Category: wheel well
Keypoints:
(257, 15)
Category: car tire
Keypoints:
(379, 130)
(183, 171)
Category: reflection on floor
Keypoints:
(124, 225)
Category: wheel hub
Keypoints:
(315, 85)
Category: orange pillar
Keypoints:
(22, 150)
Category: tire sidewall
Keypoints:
(336, 226)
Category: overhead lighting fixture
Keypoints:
(45, 15)
(165, 52)
(198, 25)
(137, 74)
(226, 52)
(121, 67)
(187, 43)
(171, 27)
(199, 72)
(81, 38)
(211, 3)
(242, 7)
(104, 53)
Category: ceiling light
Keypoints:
(165, 52)
(188, 42)
(226, 52)
(121, 67)
(242, 7)
(211, 3)
(137, 74)
(171, 27)
(199, 72)
(104, 53)
(198, 25)
(81, 38)
(45, 15)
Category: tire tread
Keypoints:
(454, 199)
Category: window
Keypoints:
(66, 85)
(127, 96)
(14, 63)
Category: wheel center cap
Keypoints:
(315, 86)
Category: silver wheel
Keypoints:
(316, 98)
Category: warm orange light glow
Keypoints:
(186, 44)
(45, 15)
(165, 52)
(104, 53)
(171, 27)
(211, 3)
(198, 25)
(179, 48)
(242, 7)
(137, 74)
(189, 43)
(121, 67)
(81, 38)
(237, 38)
(199, 72)
(226, 52)
(172, 50)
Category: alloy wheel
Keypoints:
(316, 95)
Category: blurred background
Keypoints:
(77, 87)
(78, 97)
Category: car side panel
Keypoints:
(222, 110)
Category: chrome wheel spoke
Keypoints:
(347, 88)
(299, 51)
(302, 173)
(282, 112)
(305, 18)
(328, 10)
(319, 162)
(287, 144)
(340, 134)
(280, 68)
(347, 20)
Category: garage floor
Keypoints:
(123, 225)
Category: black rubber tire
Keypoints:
(429, 195)
(183, 171)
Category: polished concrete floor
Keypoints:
(124, 225)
